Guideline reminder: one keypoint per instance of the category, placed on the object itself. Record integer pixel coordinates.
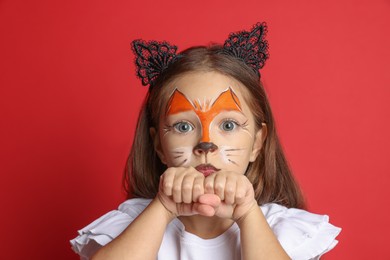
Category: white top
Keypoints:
(303, 235)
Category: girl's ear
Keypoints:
(157, 145)
(260, 136)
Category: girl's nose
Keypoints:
(204, 148)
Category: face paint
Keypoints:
(204, 106)
(206, 111)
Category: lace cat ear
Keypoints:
(152, 58)
(250, 47)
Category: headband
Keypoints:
(153, 58)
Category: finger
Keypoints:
(167, 181)
(209, 184)
(198, 188)
(210, 199)
(241, 191)
(176, 188)
(219, 185)
(185, 209)
(186, 188)
(230, 190)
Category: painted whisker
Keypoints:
(185, 160)
(233, 162)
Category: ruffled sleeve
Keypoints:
(106, 228)
(302, 234)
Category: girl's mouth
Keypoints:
(206, 169)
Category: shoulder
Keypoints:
(134, 207)
(107, 227)
(302, 234)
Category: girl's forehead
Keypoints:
(206, 86)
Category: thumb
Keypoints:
(210, 199)
(207, 204)
(204, 210)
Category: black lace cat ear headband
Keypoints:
(153, 58)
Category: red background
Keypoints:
(69, 100)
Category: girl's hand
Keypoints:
(185, 192)
(235, 192)
(180, 189)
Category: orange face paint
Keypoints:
(226, 101)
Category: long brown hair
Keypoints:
(270, 174)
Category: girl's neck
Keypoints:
(205, 227)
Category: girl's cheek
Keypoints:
(239, 139)
(176, 140)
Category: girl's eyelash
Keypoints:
(168, 127)
(245, 124)
(182, 121)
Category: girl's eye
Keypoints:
(183, 127)
(228, 125)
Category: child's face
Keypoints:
(207, 124)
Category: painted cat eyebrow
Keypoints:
(221, 102)
(206, 111)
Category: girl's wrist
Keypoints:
(165, 211)
(253, 210)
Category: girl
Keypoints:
(206, 176)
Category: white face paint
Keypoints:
(231, 154)
(208, 107)
(181, 155)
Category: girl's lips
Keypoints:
(206, 169)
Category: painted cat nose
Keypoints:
(204, 148)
